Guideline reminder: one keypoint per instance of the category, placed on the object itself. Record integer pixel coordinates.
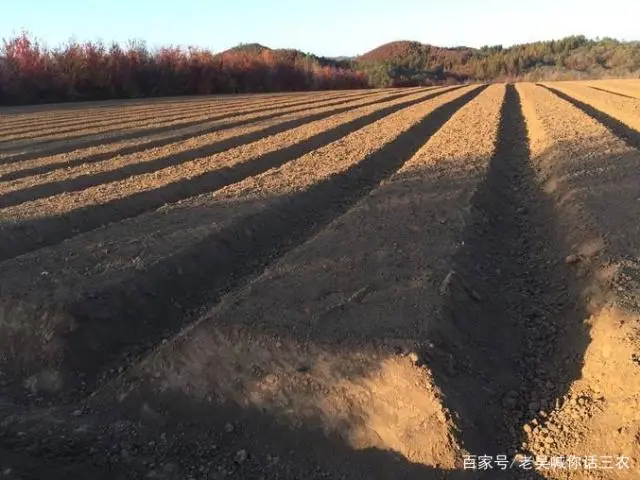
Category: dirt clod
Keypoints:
(572, 259)
(415, 359)
(240, 456)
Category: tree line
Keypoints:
(31, 73)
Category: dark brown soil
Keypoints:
(371, 296)
(138, 310)
(514, 323)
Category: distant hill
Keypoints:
(414, 63)
(405, 49)
(248, 48)
(409, 63)
(286, 54)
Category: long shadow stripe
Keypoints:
(112, 124)
(128, 123)
(178, 137)
(95, 120)
(86, 181)
(30, 235)
(29, 113)
(510, 244)
(67, 145)
(612, 92)
(93, 117)
(123, 121)
(155, 303)
(619, 129)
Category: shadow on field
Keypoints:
(145, 306)
(189, 185)
(58, 146)
(23, 237)
(508, 319)
(514, 312)
(88, 117)
(118, 122)
(372, 278)
(137, 148)
(75, 107)
(243, 248)
(619, 129)
(612, 92)
(607, 188)
(108, 446)
(198, 275)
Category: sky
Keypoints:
(326, 27)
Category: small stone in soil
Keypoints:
(241, 456)
(571, 259)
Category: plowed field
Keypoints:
(410, 283)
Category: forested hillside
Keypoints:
(30, 73)
(411, 63)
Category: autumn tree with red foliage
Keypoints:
(30, 73)
(90, 71)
